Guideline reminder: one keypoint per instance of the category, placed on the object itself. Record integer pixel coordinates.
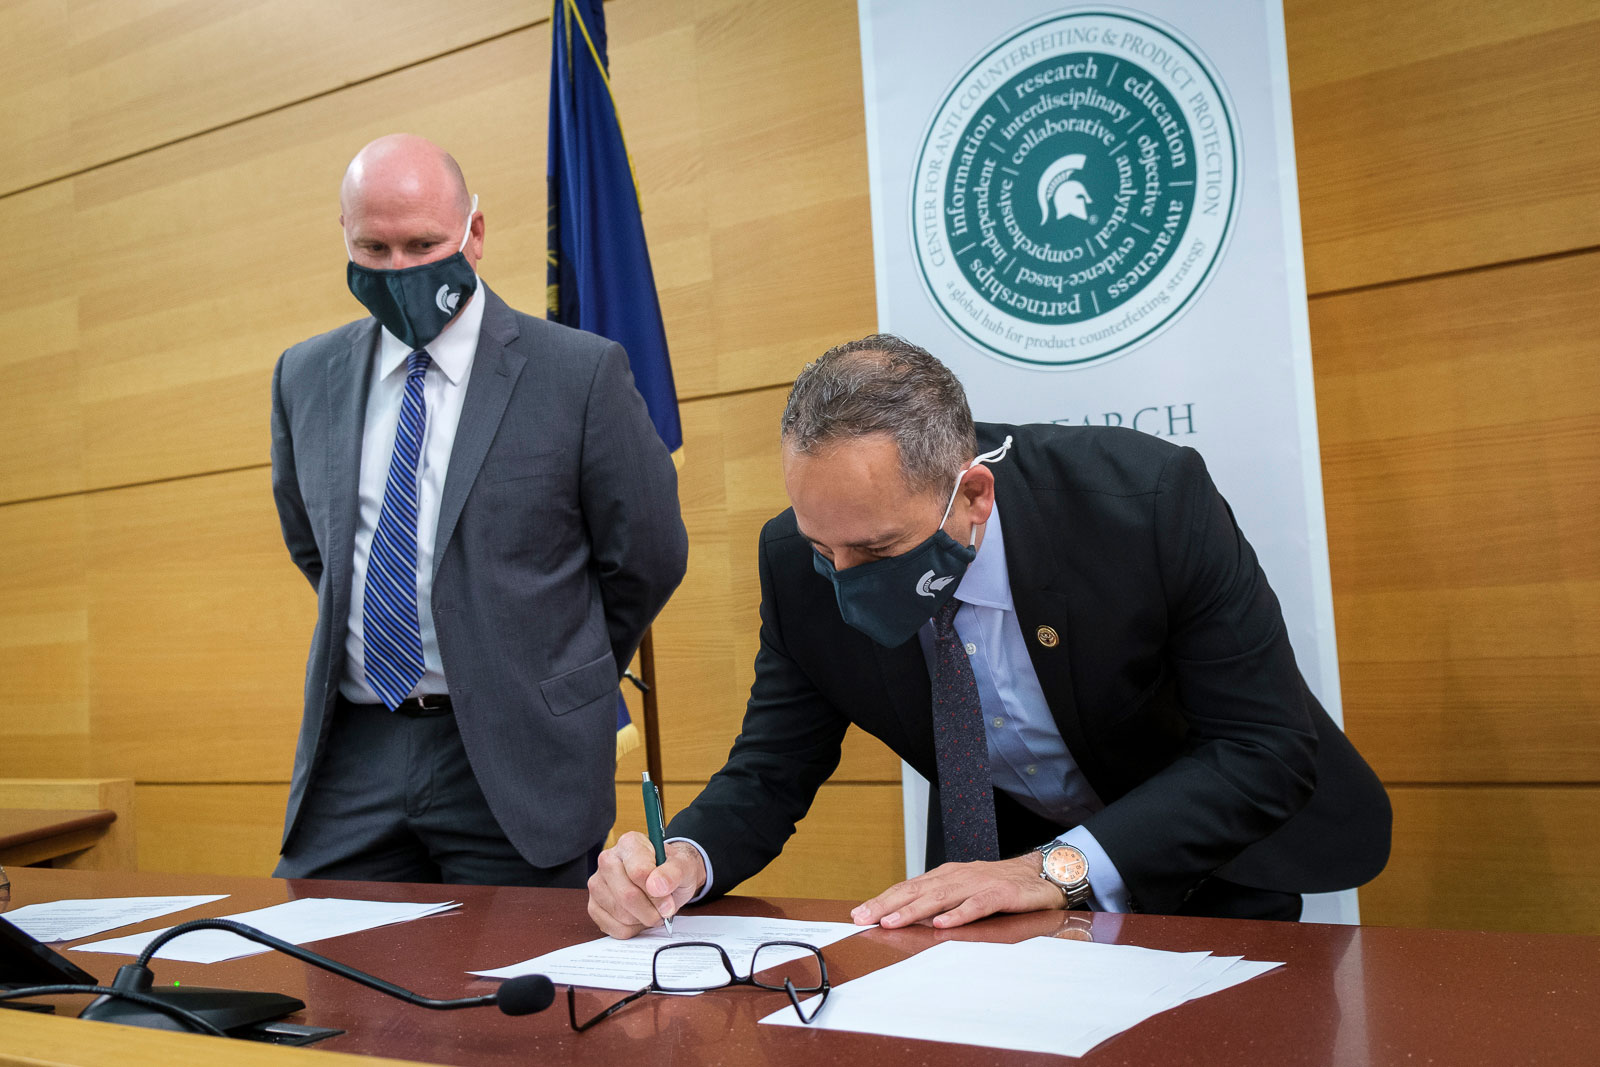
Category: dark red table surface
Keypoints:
(1347, 995)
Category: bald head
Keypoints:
(404, 201)
(404, 166)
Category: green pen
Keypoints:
(658, 830)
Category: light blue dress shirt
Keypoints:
(1027, 757)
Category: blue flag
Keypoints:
(599, 276)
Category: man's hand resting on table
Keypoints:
(954, 894)
(628, 893)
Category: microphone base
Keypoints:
(229, 1010)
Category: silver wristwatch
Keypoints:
(1066, 868)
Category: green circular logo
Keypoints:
(1075, 189)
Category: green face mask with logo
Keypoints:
(416, 303)
(890, 599)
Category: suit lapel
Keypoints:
(495, 368)
(349, 380)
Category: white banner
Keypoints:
(1091, 215)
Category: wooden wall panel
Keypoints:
(210, 829)
(1433, 137)
(200, 627)
(41, 434)
(89, 81)
(1459, 457)
(1335, 42)
(1462, 475)
(44, 640)
(1491, 858)
(34, 96)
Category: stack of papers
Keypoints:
(606, 963)
(298, 922)
(1042, 995)
(68, 920)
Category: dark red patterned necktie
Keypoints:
(966, 789)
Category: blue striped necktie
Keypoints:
(389, 626)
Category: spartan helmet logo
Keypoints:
(445, 300)
(1056, 185)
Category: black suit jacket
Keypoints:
(1172, 683)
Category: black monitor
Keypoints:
(26, 962)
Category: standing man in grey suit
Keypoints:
(490, 523)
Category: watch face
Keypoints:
(1066, 865)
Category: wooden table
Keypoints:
(31, 835)
(1348, 995)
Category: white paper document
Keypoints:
(1042, 995)
(297, 921)
(607, 963)
(68, 920)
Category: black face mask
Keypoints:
(890, 599)
(416, 303)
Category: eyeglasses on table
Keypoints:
(701, 966)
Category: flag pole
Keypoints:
(652, 730)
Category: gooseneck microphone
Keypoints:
(527, 994)
(232, 1009)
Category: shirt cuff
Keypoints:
(705, 859)
(1106, 889)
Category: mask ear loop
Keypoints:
(468, 235)
(994, 456)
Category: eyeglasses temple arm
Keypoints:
(572, 1007)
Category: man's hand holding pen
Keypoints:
(631, 893)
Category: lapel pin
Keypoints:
(1047, 637)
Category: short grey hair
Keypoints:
(885, 384)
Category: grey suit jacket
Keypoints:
(559, 540)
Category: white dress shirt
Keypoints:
(443, 390)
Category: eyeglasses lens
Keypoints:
(687, 968)
(773, 964)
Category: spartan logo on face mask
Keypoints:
(927, 585)
(445, 300)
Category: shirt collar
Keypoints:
(987, 582)
(451, 351)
